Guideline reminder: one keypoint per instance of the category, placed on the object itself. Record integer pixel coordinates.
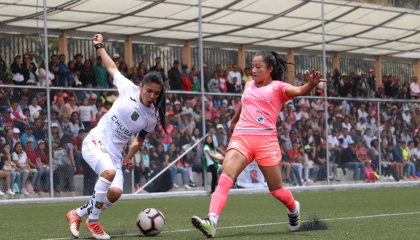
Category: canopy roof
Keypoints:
(351, 27)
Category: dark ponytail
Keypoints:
(273, 59)
(160, 103)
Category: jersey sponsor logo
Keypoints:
(257, 97)
(103, 150)
(135, 116)
(260, 119)
(263, 112)
(121, 129)
(270, 89)
(134, 100)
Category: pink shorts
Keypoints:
(264, 149)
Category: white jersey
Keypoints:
(126, 117)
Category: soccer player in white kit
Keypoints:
(136, 111)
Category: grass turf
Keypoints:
(47, 221)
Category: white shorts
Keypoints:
(98, 158)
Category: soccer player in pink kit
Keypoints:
(254, 136)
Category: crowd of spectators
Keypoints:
(352, 127)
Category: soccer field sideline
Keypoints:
(258, 225)
(232, 192)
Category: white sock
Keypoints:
(101, 189)
(191, 174)
(214, 218)
(107, 204)
(85, 209)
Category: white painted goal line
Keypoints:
(256, 225)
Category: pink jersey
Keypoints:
(260, 108)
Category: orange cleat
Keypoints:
(410, 177)
(96, 230)
(74, 221)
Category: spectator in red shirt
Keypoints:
(77, 142)
(35, 164)
(7, 119)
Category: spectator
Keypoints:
(187, 107)
(36, 165)
(86, 112)
(54, 68)
(43, 75)
(398, 157)
(309, 166)
(170, 156)
(134, 76)
(213, 84)
(58, 106)
(28, 134)
(211, 156)
(221, 135)
(370, 174)
(247, 76)
(87, 74)
(235, 73)
(142, 167)
(123, 69)
(222, 83)
(346, 138)
(352, 161)
(3, 67)
(414, 87)
(19, 72)
(34, 109)
(207, 75)
(142, 66)
(165, 137)
(65, 165)
(22, 164)
(410, 167)
(100, 73)
(71, 106)
(7, 170)
(65, 124)
(64, 71)
(157, 62)
(75, 124)
(174, 75)
(38, 130)
(77, 142)
(16, 136)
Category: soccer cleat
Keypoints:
(205, 226)
(96, 230)
(74, 222)
(294, 219)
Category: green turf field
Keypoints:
(361, 214)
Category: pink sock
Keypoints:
(219, 198)
(285, 197)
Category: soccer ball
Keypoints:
(150, 222)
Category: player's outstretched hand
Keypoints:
(97, 39)
(128, 164)
(315, 77)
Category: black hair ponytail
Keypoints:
(160, 103)
(273, 59)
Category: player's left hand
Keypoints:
(128, 164)
(314, 78)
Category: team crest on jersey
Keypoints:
(99, 205)
(135, 116)
(103, 150)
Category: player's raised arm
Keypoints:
(304, 90)
(106, 60)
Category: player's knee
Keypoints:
(114, 194)
(109, 174)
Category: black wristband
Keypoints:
(99, 45)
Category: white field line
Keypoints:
(259, 225)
